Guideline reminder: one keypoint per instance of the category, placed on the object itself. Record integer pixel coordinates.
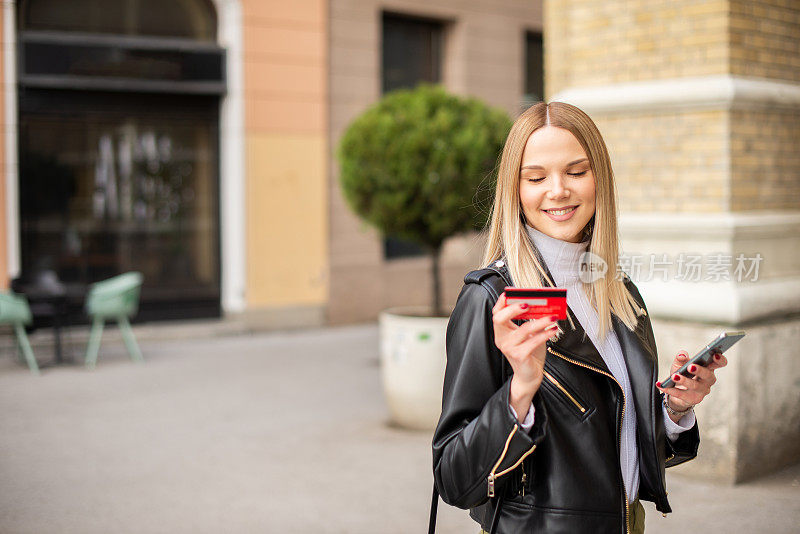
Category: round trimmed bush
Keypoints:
(414, 163)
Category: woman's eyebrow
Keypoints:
(568, 164)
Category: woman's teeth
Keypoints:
(561, 212)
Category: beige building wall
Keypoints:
(483, 57)
(687, 160)
(285, 91)
(765, 43)
(663, 160)
(595, 43)
(763, 39)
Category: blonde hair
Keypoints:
(508, 239)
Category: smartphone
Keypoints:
(542, 301)
(720, 344)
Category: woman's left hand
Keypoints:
(689, 392)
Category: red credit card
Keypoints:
(542, 301)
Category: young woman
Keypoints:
(551, 426)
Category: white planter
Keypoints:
(413, 360)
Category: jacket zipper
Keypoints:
(492, 475)
(564, 391)
(619, 433)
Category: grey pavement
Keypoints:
(229, 431)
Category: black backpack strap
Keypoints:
(492, 278)
(434, 509)
(496, 514)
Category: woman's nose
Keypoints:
(557, 189)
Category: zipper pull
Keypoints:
(524, 478)
(491, 485)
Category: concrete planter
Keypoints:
(412, 365)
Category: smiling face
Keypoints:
(557, 185)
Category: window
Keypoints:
(412, 53)
(118, 147)
(534, 68)
(190, 19)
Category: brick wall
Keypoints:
(711, 160)
(765, 39)
(765, 43)
(669, 161)
(593, 43)
(765, 162)
(719, 145)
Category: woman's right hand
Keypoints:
(524, 347)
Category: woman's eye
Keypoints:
(577, 173)
(535, 180)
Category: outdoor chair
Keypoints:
(115, 299)
(14, 310)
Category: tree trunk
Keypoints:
(437, 297)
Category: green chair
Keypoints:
(14, 310)
(114, 299)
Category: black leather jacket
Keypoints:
(564, 475)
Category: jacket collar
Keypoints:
(640, 355)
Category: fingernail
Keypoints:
(717, 357)
(554, 317)
(658, 384)
(693, 368)
(551, 327)
(523, 305)
(676, 377)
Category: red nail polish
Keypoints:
(523, 305)
(676, 378)
(553, 318)
(693, 368)
(658, 384)
(717, 357)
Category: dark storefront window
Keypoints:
(412, 53)
(534, 68)
(118, 148)
(191, 19)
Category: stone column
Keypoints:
(699, 104)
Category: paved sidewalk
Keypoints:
(283, 432)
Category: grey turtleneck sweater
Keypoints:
(563, 260)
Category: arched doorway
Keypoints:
(119, 146)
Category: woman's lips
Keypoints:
(564, 217)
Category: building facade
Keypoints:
(699, 103)
(184, 139)
(194, 141)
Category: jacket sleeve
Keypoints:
(685, 446)
(477, 435)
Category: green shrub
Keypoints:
(411, 166)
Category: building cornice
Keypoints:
(749, 224)
(687, 93)
(772, 234)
